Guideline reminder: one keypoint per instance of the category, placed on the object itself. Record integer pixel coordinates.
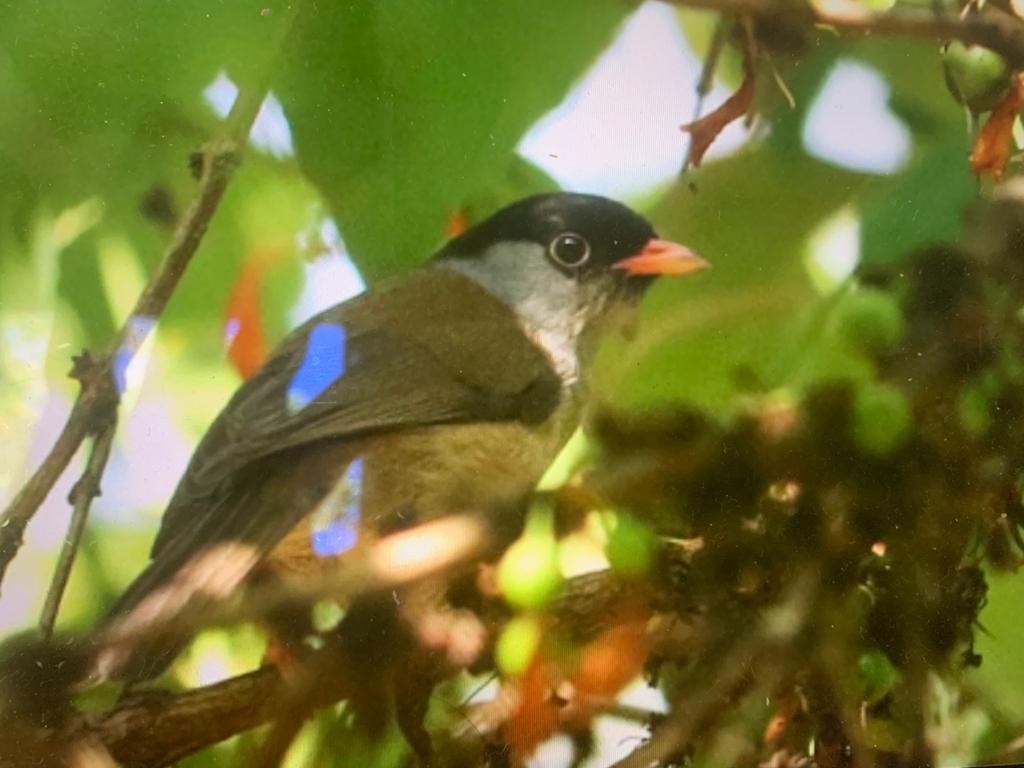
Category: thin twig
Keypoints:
(151, 731)
(761, 657)
(991, 27)
(86, 489)
(99, 394)
(707, 78)
(698, 711)
(296, 705)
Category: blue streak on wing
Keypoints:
(323, 364)
(341, 511)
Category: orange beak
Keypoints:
(662, 257)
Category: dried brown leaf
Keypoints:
(705, 130)
(991, 150)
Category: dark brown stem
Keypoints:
(990, 27)
(157, 730)
(707, 77)
(698, 713)
(99, 395)
(86, 489)
(759, 659)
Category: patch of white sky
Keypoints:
(329, 278)
(614, 737)
(850, 125)
(270, 132)
(618, 133)
(833, 250)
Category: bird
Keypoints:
(449, 388)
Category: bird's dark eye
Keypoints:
(570, 250)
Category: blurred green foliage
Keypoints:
(403, 112)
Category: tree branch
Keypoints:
(85, 490)
(99, 396)
(697, 713)
(990, 27)
(156, 729)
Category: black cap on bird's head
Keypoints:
(581, 236)
(565, 264)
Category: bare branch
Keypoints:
(99, 395)
(698, 713)
(158, 729)
(86, 489)
(990, 27)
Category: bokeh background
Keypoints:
(386, 122)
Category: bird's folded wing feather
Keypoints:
(431, 350)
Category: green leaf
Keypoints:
(103, 99)
(1001, 674)
(753, 320)
(882, 420)
(921, 206)
(402, 110)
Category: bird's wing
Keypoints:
(430, 350)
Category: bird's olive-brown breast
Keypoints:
(430, 472)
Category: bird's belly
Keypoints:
(417, 475)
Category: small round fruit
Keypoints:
(870, 320)
(517, 645)
(976, 76)
(529, 573)
(876, 675)
(631, 544)
(975, 408)
(881, 420)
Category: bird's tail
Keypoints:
(161, 610)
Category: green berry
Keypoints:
(975, 409)
(870, 320)
(876, 675)
(326, 615)
(529, 573)
(976, 76)
(517, 645)
(881, 420)
(631, 544)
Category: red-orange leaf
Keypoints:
(565, 691)
(991, 150)
(613, 659)
(786, 710)
(243, 320)
(704, 131)
(535, 712)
